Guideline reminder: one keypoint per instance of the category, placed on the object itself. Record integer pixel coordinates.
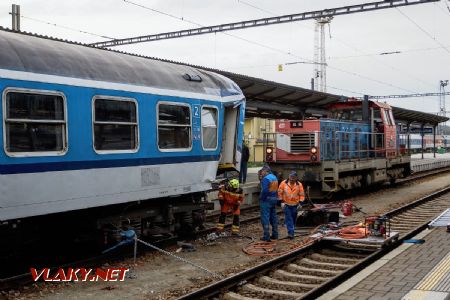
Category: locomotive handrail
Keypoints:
(340, 152)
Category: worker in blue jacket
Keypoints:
(268, 199)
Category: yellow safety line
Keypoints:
(433, 278)
(440, 272)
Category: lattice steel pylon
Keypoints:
(320, 59)
(442, 109)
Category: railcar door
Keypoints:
(230, 156)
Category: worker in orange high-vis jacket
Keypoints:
(291, 193)
(230, 197)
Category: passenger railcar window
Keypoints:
(34, 122)
(174, 126)
(209, 128)
(115, 125)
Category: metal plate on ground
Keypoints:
(442, 221)
(368, 240)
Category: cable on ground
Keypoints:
(180, 258)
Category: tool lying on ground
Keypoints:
(374, 230)
(311, 214)
(413, 241)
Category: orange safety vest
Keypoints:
(231, 197)
(291, 195)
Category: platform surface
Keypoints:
(411, 271)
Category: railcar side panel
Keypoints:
(82, 178)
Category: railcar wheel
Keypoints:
(329, 196)
(184, 227)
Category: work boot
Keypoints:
(220, 227)
(290, 236)
(274, 237)
(265, 240)
(235, 230)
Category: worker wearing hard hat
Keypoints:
(230, 197)
(291, 193)
(267, 202)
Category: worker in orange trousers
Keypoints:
(230, 197)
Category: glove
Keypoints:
(283, 205)
(236, 206)
(221, 202)
(279, 203)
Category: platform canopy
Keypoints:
(416, 117)
(268, 99)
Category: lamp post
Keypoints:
(442, 108)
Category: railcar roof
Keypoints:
(31, 53)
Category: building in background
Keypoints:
(254, 130)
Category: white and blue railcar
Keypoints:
(121, 137)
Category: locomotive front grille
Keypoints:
(301, 142)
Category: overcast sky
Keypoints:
(421, 33)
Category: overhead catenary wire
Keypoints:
(256, 7)
(268, 47)
(327, 13)
(446, 12)
(67, 27)
(369, 78)
(442, 9)
(349, 46)
(398, 51)
(423, 30)
(198, 24)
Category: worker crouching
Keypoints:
(230, 197)
(291, 193)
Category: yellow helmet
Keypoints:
(234, 183)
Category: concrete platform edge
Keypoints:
(354, 280)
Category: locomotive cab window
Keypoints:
(209, 128)
(34, 123)
(115, 125)
(353, 114)
(387, 118)
(174, 126)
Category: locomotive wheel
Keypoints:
(366, 180)
(392, 180)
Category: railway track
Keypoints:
(309, 272)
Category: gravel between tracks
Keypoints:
(161, 277)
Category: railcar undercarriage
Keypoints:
(95, 230)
